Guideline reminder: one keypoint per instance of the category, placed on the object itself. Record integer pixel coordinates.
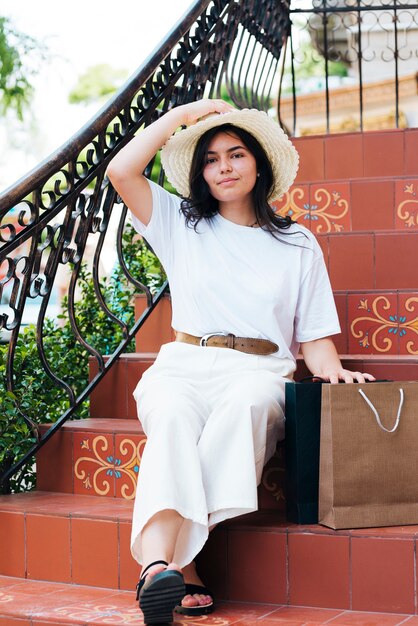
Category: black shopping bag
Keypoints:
(303, 429)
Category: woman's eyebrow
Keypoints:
(229, 149)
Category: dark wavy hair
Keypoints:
(202, 205)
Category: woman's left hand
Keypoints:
(334, 376)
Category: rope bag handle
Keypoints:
(376, 414)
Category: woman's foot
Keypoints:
(195, 603)
(160, 589)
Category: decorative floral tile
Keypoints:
(271, 490)
(128, 454)
(295, 203)
(329, 208)
(373, 324)
(406, 203)
(95, 465)
(408, 323)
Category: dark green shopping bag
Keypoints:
(303, 428)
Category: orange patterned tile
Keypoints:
(128, 454)
(95, 466)
(295, 204)
(406, 204)
(329, 208)
(372, 323)
(408, 323)
(271, 489)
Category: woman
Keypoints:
(248, 289)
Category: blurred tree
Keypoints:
(20, 57)
(98, 82)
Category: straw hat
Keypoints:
(177, 153)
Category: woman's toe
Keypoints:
(190, 601)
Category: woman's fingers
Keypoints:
(196, 110)
(348, 377)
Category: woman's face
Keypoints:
(230, 169)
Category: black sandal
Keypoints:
(158, 597)
(204, 609)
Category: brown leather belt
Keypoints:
(249, 345)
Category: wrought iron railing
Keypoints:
(65, 210)
(350, 65)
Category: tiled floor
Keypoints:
(32, 603)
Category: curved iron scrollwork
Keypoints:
(65, 211)
(374, 41)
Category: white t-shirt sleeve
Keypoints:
(165, 218)
(316, 314)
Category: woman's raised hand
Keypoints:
(194, 111)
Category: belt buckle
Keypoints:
(204, 338)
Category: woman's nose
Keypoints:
(225, 165)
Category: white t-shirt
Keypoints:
(235, 279)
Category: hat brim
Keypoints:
(177, 153)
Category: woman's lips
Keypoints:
(227, 181)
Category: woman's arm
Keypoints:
(322, 360)
(126, 169)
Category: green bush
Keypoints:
(35, 394)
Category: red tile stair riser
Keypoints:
(311, 159)
(344, 156)
(319, 570)
(157, 329)
(351, 261)
(372, 205)
(396, 260)
(383, 574)
(48, 548)
(105, 403)
(384, 153)
(411, 151)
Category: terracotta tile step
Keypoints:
(356, 155)
(112, 399)
(371, 260)
(353, 204)
(257, 558)
(27, 603)
(102, 457)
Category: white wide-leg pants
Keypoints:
(212, 417)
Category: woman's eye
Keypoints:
(210, 160)
(237, 155)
